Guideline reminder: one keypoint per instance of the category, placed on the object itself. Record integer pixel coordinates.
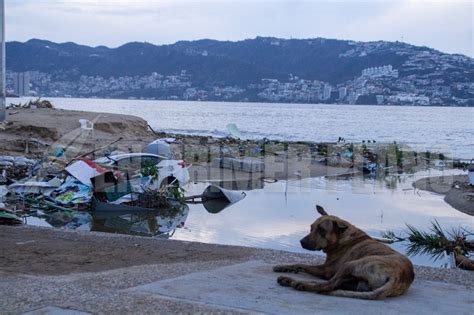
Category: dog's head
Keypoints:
(326, 232)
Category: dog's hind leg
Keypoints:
(320, 271)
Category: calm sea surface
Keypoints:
(446, 129)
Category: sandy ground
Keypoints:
(33, 131)
(55, 252)
(458, 193)
(93, 272)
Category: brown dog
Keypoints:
(356, 266)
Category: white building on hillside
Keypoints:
(382, 71)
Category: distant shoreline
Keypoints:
(69, 117)
(223, 101)
(263, 69)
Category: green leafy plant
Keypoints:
(435, 242)
(399, 156)
(176, 192)
(150, 169)
(322, 149)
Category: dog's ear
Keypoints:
(327, 225)
(341, 226)
(321, 210)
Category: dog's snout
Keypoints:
(308, 243)
(304, 242)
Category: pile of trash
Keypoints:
(68, 192)
(15, 168)
(343, 155)
(74, 188)
(32, 104)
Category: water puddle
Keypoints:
(277, 215)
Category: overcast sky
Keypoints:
(446, 25)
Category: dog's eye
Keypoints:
(321, 232)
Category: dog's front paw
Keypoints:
(298, 286)
(285, 281)
(285, 268)
(289, 282)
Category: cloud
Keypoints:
(445, 25)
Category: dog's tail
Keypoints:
(376, 294)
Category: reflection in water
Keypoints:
(248, 184)
(161, 223)
(278, 215)
(216, 199)
(68, 219)
(157, 223)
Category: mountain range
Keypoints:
(211, 65)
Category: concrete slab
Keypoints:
(252, 286)
(53, 310)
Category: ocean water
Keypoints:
(446, 129)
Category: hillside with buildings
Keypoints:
(258, 70)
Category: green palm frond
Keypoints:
(428, 244)
(435, 242)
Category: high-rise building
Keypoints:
(2, 61)
(327, 92)
(342, 92)
(21, 83)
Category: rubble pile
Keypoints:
(65, 192)
(38, 103)
(16, 168)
